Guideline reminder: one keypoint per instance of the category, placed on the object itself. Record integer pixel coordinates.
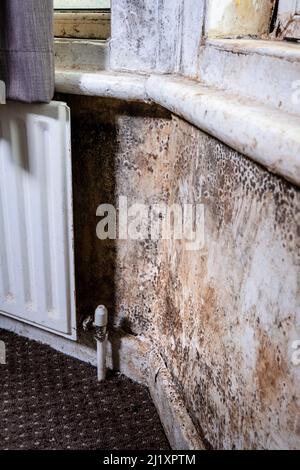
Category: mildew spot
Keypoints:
(222, 318)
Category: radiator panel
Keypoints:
(36, 227)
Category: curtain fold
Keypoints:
(26, 50)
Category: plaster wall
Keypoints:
(166, 36)
(162, 36)
(223, 318)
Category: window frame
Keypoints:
(85, 22)
(82, 4)
(288, 20)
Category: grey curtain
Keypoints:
(26, 49)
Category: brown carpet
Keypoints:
(51, 401)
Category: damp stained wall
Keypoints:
(238, 17)
(223, 318)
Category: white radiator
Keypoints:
(36, 228)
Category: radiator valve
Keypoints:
(97, 322)
(100, 323)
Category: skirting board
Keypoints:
(137, 359)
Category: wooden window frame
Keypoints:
(78, 23)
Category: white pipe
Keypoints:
(101, 360)
(101, 319)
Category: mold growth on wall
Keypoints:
(236, 303)
(117, 150)
(223, 318)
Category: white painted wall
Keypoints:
(165, 36)
(289, 7)
(157, 36)
(289, 18)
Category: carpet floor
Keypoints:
(51, 401)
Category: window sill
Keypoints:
(244, 97)
(277, 49)
(266, 71)
(106, 84)
(268, 136)
(82, 25)
(81, 54)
